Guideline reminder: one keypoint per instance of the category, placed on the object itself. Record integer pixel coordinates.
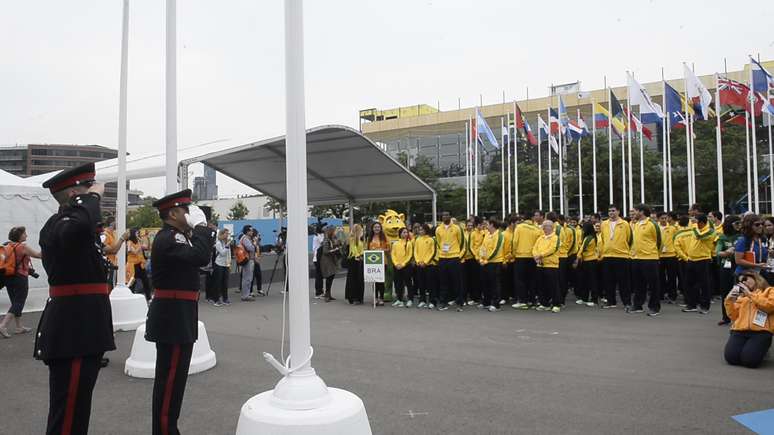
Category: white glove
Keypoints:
(195, 216)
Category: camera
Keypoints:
(33, 274)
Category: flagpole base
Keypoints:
(342, 413)
(129, 310)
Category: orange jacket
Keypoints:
(742, 310)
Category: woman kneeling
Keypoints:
(750, 305)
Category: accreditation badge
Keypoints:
(760, 318)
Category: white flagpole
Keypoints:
(747, 153)
(664, 143)
(121, 194)
(669, 162)
(642, 162)
(502, 166)
(550, 154)
(475, 171)
(516, 162)
(594, 152)
(754, 140)
(771, 167)
(580, 175)
(610, 142)
(628, 124)
(625, 209)
(508, 192)
(540, 166)
(719, 146)
(693, 160)
(686, 103)
(561, 164)
(171, 97)
(467, 170)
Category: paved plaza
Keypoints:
(427, 372)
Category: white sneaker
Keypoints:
(579, 302)
(421, 305)
(590, 304)
(400, 304)
(430, 306)
(395, 302)
(452, 303)
(493, 309)
(409, 304)
(502, 301)
(471, 302)
(556, 309)
(518, 306)
(481, 306)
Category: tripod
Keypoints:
(280, 256)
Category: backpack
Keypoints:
(240, 253)
(8, 260)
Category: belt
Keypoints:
(184, 295)
(78, 290)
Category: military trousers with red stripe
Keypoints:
(71, 383)
(172, 362)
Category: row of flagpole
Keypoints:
(696, 94)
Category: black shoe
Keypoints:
(724, 322)
(104, 362)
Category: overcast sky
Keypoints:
(59, 60)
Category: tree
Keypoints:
(146, 216)
(238, 211)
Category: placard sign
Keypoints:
(373, 266)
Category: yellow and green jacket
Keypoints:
(616, 244)
(589, 250)
(524, 237)
(646, 240)
(667, 241)
(700, 245)
(548, 248)
(567, 240)
(402, 252)
(493, 248)
(425, 250)
(450, 241)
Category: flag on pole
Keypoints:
(563, 118)
(763, 85)
(674, 106)
(553, 120)
(577, 130)
(553, 143)
(650, 112)
(483, 127)
(601, 116)
(543, 128)
(617, 114)
(522, 124)
(637, 126)
(697, 93)
(733, 93)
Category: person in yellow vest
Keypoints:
(546, 255)
(402, 255)
(586, 261)
(425, 250)
(646, 246)
(491, 257)
(470, 266)
(525, 234)
(615, 246)
(667, 256)
(699, 253)
(567, 247)
(506, 280)
(449, 239)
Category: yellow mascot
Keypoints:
(392, 222)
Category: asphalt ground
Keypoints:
(583, 370)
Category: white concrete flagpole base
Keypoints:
(342, 414)
(129, 309)
(142, 360)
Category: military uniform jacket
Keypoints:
(77, 325)
(175, 262)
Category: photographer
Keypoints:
(750, 305)
(18, 283)
(222, 267)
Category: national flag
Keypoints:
(637, 125)
(553, 120)
(697, 93)
(520, 122)
(674, 106)
(733, 93)
(601, 116)
(554, 144)
(543, 128)
(762, 85)
(617, 114)
(563, 118)
(582, 124)
(575, 130)
(650, 112)
(483, 127)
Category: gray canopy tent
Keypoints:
(343, 167)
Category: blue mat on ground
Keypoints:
(760, 422)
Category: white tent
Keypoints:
(24, 202)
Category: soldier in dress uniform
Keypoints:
(76, 327)
(180, 248)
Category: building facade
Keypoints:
(206, 186)
(36, 159)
